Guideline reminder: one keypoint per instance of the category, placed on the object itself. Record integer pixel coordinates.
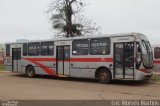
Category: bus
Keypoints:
(105, 58)
(156, 58)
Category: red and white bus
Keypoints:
(156, 58)
(118, 56)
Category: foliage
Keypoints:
(1, 67)
(156, 77)
(65, 16)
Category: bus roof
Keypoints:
(134, 34)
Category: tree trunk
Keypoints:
(70, 26)
(69, 21)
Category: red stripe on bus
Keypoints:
(73, 59)
(40, 59)
(45, 68)
(63, 60)
(91, 60)
(143, 70)
(157, 62)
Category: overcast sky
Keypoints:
(27, 19)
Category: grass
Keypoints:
(155, 77)
(1, 67)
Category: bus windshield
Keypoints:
(147, 56)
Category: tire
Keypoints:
(104, 76)
(30, 71)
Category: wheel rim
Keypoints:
(30, 72)
(103, 76)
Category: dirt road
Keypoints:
(17, 86)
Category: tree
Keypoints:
(66, 18)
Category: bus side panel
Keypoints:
(81, 69)
(47, 65)
(88, 67)
(8, 63)
(38, 69)
(42, 66)
(24, 64)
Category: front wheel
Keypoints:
(30, 72)
(104, 76)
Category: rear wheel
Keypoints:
(30, 72)
(104, 76)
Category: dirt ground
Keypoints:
(19, 87)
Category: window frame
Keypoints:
(80, 40)
(25, 51)
(8, 47)
(102, 47)
(47, 43)
(38, 51)
(158, 53)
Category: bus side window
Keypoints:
(25, 49)
(80, 47)
(100, 46)
(47, 48)
(34, 49)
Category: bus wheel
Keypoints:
(104, 76)
(30, 72)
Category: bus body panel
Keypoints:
(13, 62)
(8, 63)
(139, 75)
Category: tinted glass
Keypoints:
(7, 50)
(25, 49)
(33, 49)
(80, 47)
(157, 53)
(47, 48)
(100, 46)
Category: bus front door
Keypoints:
(63, 60)
(16, 59)
(124, 60)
